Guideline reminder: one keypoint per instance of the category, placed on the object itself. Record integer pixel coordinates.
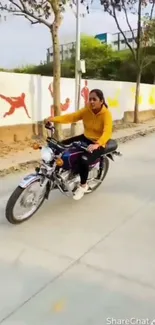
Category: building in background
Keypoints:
(66, 51)
(115, 40)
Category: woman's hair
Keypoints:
(100, 95)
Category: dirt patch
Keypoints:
(121, 126)
(16, 146)
(6, 150)
(34, 163)
(20, 167)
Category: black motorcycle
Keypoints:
(58, 170)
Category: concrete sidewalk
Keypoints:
(27, 157)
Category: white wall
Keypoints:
(119, 96)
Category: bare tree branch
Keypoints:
(23, 5)
(15, 4)
(123, 34)
(146, 38)
(150, 60)
(127, 20)
(141, 59)
(139, 29)
(27, 13)
(30, 20)
(152, 9)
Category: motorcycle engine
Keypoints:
(70, 179)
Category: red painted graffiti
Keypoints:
(15, 103)
(64, 107)
(85, 93)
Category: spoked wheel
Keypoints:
(23, 203)
(97, 174)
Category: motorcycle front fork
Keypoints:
(101, 166)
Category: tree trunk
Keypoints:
(136, 119)
(56, 72)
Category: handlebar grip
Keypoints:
(48, 124)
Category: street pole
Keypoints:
(77, 56)
(74, 126)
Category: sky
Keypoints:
(22, 43)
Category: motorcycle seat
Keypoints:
(111, 146)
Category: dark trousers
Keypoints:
(87, 158)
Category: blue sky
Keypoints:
(22, 44)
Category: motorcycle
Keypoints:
(58, 170)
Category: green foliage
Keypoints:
(144, 10)
(91, 46)
(95, 54)
(116, 69)
(101, 63)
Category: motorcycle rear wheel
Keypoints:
(104, 171)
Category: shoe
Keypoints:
(79, 193)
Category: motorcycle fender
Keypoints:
(29, 179)
(110, 156)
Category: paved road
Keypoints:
(79, 263)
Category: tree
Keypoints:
(48, 13)
(144, 9)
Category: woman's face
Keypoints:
(94, 101)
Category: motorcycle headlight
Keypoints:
(47, 154)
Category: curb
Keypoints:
(138, 134)
(33, 163)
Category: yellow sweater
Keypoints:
(97, 127)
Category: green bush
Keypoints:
(101, 63)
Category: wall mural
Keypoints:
(85, 92)
(152, 96)
(37, 103)
(15, 103)
(140, 98)
(114, 102)
(64, 107)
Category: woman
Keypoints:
(97, 121)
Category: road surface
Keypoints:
(87, 262)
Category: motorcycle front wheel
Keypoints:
(30, 200)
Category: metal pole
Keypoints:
(77, 56)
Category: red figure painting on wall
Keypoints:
(15, 103)
(85, 93)
(64, 107)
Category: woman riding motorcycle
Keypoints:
(97, 121)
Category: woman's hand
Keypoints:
(93, 147)
(46, 120)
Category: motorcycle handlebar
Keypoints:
(49, 126)
(77, 144)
